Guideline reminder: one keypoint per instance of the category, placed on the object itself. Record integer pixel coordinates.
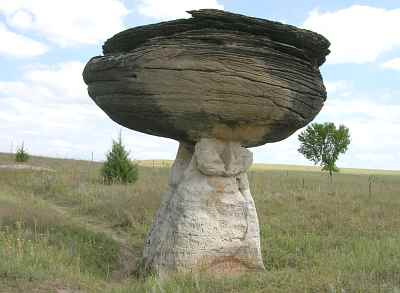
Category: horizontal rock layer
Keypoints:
(314, 45)
(217, 82)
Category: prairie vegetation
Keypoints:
(64, 230)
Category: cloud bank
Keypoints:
(48, 108)
(19, 46)
(359, 34)
(65, 23)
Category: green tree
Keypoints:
(21, 155)
(118, 168)
(322, 143)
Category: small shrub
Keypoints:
(21, 155)
(118, 168)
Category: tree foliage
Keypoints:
(21, 155)
(323, 143)
(118, 168)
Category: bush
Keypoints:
(21, 155)
(118, 168)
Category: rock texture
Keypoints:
(216, 75)
(207, 220)
(218, 82)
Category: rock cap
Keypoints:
(316, 45)
(216, 75)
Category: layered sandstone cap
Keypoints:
(215, 75)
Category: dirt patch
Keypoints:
(225, 265)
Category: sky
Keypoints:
(45, 45)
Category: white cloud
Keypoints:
(16, 45)
(21, 19)
(373, 126)
(59, 83)
(63, 79)
(392, 64)
(282, 152)
(173, 9)
(49, 109)
(359, 34)
(66, 22)
(340, 86)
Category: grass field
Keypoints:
(280, 167)
(64, 231)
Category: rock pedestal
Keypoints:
(216, 82)
(207, 221)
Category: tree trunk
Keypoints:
(207, 220)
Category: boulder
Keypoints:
(215, 75)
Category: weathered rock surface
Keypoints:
(217, 82)
(314, 45)
(207, 220)
(216, 75)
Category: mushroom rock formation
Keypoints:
(217, 83)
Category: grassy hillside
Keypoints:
(64, 230)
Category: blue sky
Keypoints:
(45, 44)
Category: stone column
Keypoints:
(207, 221)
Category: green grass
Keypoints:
(300, 168)
(65, 230)
(281, 167)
